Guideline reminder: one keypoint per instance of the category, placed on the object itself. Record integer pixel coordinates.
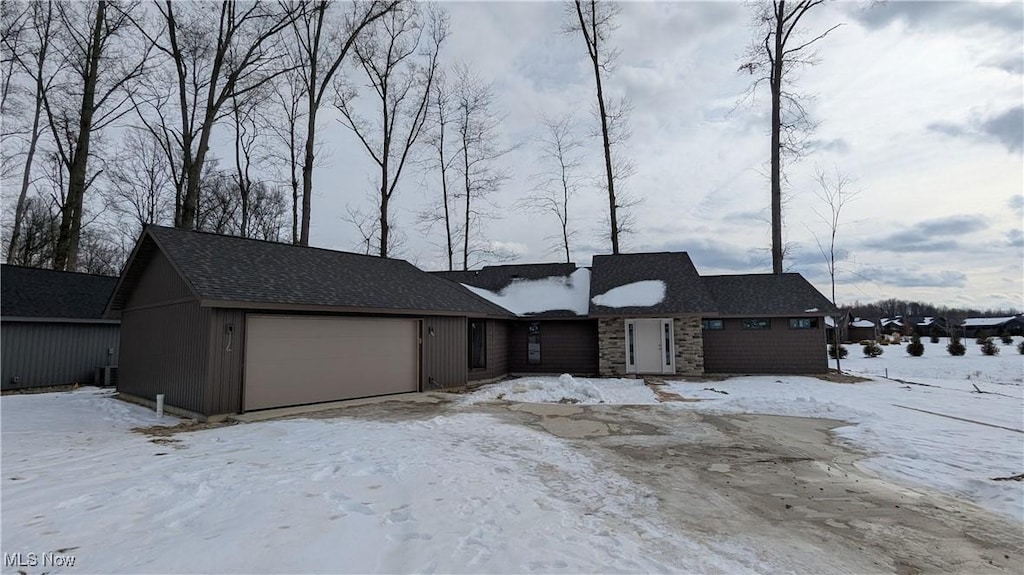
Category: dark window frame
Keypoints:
(757, 324)
(706, 324)
(477, 350)
(795, 323)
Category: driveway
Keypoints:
(430, 483)
(779, 485)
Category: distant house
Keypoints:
(222, 325)
(862, 329)
(989, 326)
(53, 329)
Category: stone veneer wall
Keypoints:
(689, 342)
(689, 345)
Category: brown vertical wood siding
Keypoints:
(226, 360)
(497, 352)
(445, 354)
(45, 353)
(566, 346)
(158, 284)
(164, 349)
(777, 350)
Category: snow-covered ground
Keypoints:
(967, 439)
(464, 491)
(458, 493)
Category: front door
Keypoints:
(650, 346)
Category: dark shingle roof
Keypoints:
(497, 278)
(39, 293)
(684, 291)
(256, 272)
(766, 294)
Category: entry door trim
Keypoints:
(665, 342)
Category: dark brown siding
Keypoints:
(164, 350)
(497, 352)
(159, 283)
(565, 347)
(776, 350)
(445, 355)
(44, 353)
(226, 358)
(857, 334)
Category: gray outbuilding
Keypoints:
(52, 328)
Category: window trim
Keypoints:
(706, 323)
(755, 324)
(811, 321)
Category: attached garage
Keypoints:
(293, 360)
(221, 325)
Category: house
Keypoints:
(222, 325)
(990, 326)
(862, 329)
(52, 329)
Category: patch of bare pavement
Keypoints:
(778, 487)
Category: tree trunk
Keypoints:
(465, 234)
(66, 254)
(26, 177)
(776, 175)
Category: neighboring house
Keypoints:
(53, 330)
(990, 326)
(221, 325)
(862, 329)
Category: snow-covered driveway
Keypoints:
(472, 485)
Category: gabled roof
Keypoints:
(228, 271)
(990, 321)
(683, 290)
(39, 293)
(767, 294)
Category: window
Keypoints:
(803, 323)
(631, 345)
(668, 342)
(713, 324)
(477, 343)
(756, 324)
(533, 344)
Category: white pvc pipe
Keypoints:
(160, 404)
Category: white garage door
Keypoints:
(291, 360)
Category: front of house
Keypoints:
(222, 325)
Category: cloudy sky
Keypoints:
(921, 103)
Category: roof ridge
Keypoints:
(277, 243)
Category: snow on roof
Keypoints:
(983, 321)
(829, 321)
(523, 297)
(637, 294)
(863, 323)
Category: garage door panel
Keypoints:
(295, 360)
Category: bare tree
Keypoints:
(284, 125)
(440, 141)
(39, 20)
(559, 180)
(476, 127)
(92, 39)
(322, 52)
(595, 22)
(834, 193)
(780, 47)
(218, 51)
(139, 184)
(401, 72)
(243, 122)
